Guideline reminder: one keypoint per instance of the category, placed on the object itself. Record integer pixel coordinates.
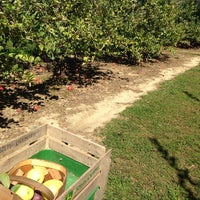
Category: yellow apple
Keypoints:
(36, 174)
(54, 185)
(43, 169)
(25, 192)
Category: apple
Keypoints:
(41, 168)
(54, 185)
(36, 107)
(70, 87)
(36, 174)
(37, 196)
(23, 191)
(1, 88)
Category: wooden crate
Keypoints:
(93, 155)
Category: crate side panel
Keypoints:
(71, 152)
(22, 140)
(102, 167)
(77, 188)
(102, 180)
(21, 154)
(84, 193)
(88, 189)
(85, 179)
(76, 140)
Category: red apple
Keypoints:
(69, 87)
(36, 107)
(37, 196)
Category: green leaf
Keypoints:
(19, 56)
(15, 187)
(1, 48)
(9, 44)
(41, 47)
(37, 59)
(12, 55)
(5, 179)
(31, 59)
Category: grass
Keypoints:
(156, 144)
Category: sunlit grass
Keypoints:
(156, 144)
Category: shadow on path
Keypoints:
(24, 98)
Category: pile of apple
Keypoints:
(39, 174)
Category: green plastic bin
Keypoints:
(74, 169)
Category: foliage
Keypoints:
(189, 19)
(42, 30)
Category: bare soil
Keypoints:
(84, 108)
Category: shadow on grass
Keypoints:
(191, 96)
(182, 174)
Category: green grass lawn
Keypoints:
(156, 144)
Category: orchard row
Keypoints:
(52, 30)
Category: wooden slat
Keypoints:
(21, 154)
(88, 189)
(71, 152)
(89, 175)
(84, 192)
(21, 141)
(90, 184)
(76, 140)
(102, 180)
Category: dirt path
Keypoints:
(91, 118)
(83, 110)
